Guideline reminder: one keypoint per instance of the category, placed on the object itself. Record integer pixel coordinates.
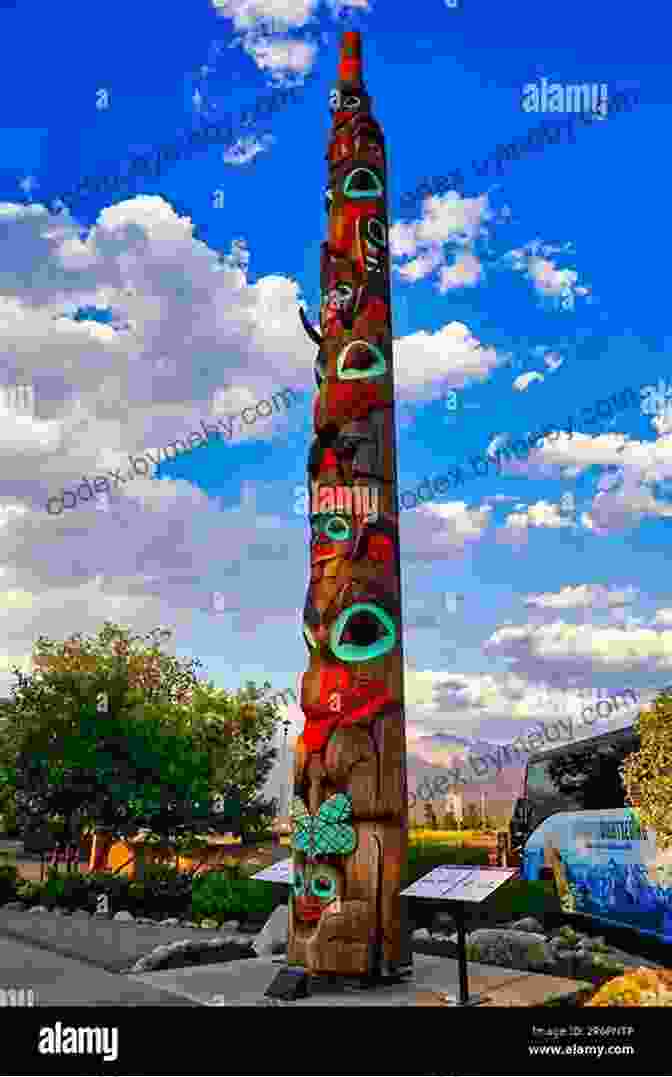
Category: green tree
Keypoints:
(155, 753)
(647, 774)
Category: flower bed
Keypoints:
(642, 987)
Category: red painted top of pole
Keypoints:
(350, 65)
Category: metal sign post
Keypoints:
(459, 887)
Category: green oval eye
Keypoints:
(323, 887)
(363, 632)
(362, 183)
(359, 359)
(309, 637)
(338, 529)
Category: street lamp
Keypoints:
(285, 773)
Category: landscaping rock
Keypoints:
(124, 917)
(568, 934)
(421, 934)
(172, 921)
(82, 913)
(209, 924)
(15, 906)
(528, 923)
(273, 937)
(230, 925)
(39, 908)
(516, 949)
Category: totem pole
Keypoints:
(350, 818)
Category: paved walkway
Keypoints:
(61, 981)
(242, 983)
(105, 944)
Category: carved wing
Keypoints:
(332, 835)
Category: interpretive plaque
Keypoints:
(459, 884)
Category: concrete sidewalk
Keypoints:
(61, 981)
(105, 944)
(242, 983)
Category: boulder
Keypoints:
(124, 917)
(39, 908)
(210, 925)
(14, 906)
(421, 934)
(272, 939)
(528, 923)
(172, 921)
(568, 934)
(513, 949)
(230, 925)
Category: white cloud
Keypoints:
(582, 596)
(442, 531)
(664, 616)
(246, 14)
(447, 220)
(603, 648)
(451, 353)
(523, 380)
(246, 149)
(540, 514)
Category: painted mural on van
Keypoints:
(605, 865)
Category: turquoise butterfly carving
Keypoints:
(327, 833)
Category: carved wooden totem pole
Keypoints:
(350, 818)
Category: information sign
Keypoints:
(460, 884)
(277, 873)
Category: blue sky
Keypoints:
(136, 317)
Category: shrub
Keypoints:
(10, 881)
(219, 896)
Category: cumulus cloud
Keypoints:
(442, 531)
(559, 645)
(451, 353)
(447, 221)
(549, 282)
(582, 596)
(516, 527)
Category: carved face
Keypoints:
(332, 535)
(317, 884)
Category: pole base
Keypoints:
(290, 983)
(473, 1000)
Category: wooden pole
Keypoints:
(350, 812)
